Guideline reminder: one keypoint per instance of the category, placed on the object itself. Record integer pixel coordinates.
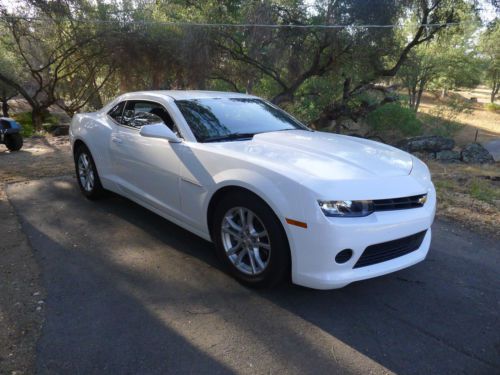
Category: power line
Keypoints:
(238, 25)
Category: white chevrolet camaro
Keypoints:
(275, 197)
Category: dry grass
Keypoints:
(485, 123)
(469, 194)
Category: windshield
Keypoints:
(233, 118)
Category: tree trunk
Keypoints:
(249, 87)
(157, 78)
(494, 92)
(419, 96)
(5, 107)
(37, 118)
(413, 97)
(410, 98)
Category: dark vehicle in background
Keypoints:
(10, 134)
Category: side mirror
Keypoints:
(159, 131)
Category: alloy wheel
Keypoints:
(246, 241)
(85, 172)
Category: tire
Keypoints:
(86, 174)
(14, 142)
(271, 254)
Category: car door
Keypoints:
(147, 169)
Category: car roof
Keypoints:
(194, 94)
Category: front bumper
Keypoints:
(314, 249)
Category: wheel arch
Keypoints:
(218, 195)
(223, 191)
(229, 188)
(78, 143)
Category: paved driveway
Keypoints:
(129, 292)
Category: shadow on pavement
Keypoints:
(131, 292)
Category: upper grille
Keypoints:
(384, 251)
(399, 203)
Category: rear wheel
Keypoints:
(14, 142)
(250, 240)
(86, 174)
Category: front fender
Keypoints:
(279, 193)
(283, 195)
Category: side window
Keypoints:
(139, 113)
(116, 112)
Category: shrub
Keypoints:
(24, 118)
(395, 120)
(493, 107)
(435, 125)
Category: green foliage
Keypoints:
(312, 98)
(312, 72)
(489, 47)
(492, 107)
(369, 98)
(395, 120)
(24, 118)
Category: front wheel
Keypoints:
(14, 142)
(86, 174)
(250, 240)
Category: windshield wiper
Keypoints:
(229, 137)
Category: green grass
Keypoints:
(484, 191)
(492, 107)
(445, 185)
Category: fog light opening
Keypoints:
(343, 256)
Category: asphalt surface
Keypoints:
(131, 293)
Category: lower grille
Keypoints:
(384, 251)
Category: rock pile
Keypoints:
(442, 149)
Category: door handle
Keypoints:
(116, 140)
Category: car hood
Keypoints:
(323, 155)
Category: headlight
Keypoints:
(346, 208)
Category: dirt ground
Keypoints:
(39, 157)
(21, 292)
(469, 195)
(21, 296)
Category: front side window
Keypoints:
(220, 119)
(139, 113)
(116, 112)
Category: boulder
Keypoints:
(351, 125)
(57, 129)
(425, 155)
(427, 143)
(448, 156)
(474, 153)
(60, 130)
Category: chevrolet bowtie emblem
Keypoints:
(422, 199)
